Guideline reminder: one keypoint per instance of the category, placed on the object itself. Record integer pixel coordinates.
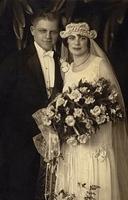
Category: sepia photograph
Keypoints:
(63, 99)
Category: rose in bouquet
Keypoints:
(77, 113)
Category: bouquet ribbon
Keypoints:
(47, 143)
(48, 146)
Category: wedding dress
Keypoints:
(95, 162)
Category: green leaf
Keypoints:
(19, 13)
(58, 4)
(27, 8)
(18, 29)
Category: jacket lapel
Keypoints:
(58, 83)
(35, 70)
(34, 66)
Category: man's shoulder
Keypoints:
(29, 50)
(20, 55)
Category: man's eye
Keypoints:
(42, 30)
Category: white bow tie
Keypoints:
(49, 53)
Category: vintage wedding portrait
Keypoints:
(64, 101)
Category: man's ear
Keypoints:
(32, 30)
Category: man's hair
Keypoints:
(42, 14)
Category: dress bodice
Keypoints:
(90, 73)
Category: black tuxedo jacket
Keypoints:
(22, 92)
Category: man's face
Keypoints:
(45, 33)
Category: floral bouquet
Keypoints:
(73, 117)
(77, 113)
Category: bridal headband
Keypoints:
(82, 29)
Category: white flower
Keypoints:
(99, 89)
(100, 119)
(83, 138)
(67, 109)
(113, 95)
(113, 111)
(69, 120)
(58, 117)
(72, 140)
(96, 111)
(120, 115)
(89, 100)
(64, 65)
(88, 125)
(49, 111)
(103, 109)
(83, 89)
(77, 112)
(75, 95)
(60, 101)
(65, 102)
(118, 107)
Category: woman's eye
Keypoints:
(83, 38)
(71, 37)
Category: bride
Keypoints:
(101, 165)
(102, 160)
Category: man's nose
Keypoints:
(48, 34)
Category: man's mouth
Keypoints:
(48, 41)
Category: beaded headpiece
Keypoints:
(79, 29)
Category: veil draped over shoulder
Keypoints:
(119, 129)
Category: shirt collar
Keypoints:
(42, 52)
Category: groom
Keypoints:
(29, 80)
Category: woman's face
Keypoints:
(78, 45)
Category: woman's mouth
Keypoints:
(76, 48)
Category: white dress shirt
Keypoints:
(47, 66)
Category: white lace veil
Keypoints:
(119, 130)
